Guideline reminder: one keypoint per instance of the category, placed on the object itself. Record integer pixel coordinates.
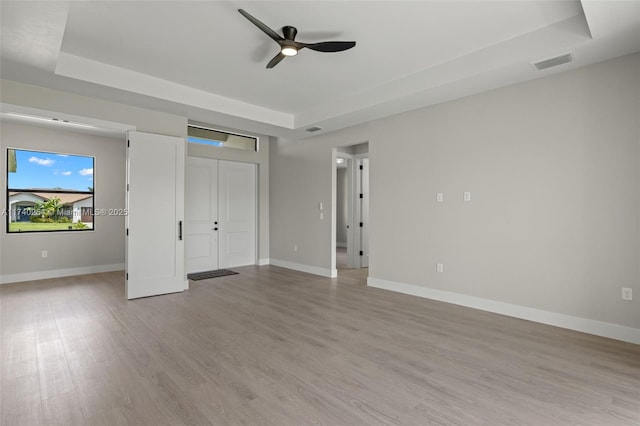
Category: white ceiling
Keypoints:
(203, 59)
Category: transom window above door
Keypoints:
(218, 138)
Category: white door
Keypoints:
(201, 228)
(155, 204)
(237, 213)
(364, 213)
(350, 230)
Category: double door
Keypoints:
(220, 229)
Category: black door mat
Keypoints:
(196, 276)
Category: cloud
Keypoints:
(66, 173)
(41, 161)
(86, 172)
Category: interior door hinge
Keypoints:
(361, 195)
(126, 276)
(128, 143)
(361, 253)
(361, 167)
(361, 224)
(127, 187)
(127, 232)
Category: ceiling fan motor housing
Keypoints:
(289, 32)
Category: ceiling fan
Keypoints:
(290, 47)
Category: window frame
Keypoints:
(8, 211)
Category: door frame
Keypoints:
(357, 208)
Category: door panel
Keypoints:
(237, 208)
(202, 215)
(237, 243)
(155, 204)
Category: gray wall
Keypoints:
(107, 251)
(302, 175)
(21, 253)
(144, 120)
(553, 166)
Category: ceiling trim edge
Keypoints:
(84, 69)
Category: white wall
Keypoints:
(552, 230)
(101, 249)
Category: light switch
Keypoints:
(320, 205)
(439, 197)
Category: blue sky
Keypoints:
(47, 170)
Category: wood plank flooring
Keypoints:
(276, 347)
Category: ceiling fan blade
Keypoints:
(330, 46)
(268, 31)
(276, 60)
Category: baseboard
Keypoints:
(262, 262)
(57, 273)
(341, 245)
(598, 328)
(305, 268)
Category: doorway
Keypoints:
(220, 214)
(352, 207)
(344, 234)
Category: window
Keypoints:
(217, 138)
(49, 192)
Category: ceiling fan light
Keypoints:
(289, 51)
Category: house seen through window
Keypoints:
(48, 192)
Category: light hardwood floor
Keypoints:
(342, 261)
(276, 347)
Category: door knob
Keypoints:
(215, 229)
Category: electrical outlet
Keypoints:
(44, 254)
(466, 196)
(440, 267)
(627, 293)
